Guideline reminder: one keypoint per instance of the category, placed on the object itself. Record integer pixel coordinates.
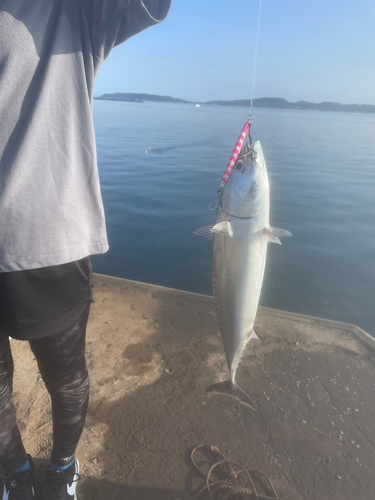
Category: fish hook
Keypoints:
(250, 119)
(217, 203)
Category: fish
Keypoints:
(155, 151)
(160, 151)
(240, 238)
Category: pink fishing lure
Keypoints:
(234, 155)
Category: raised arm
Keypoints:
(111, 22)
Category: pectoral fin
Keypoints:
(280, 233)
(208, 231)
(205, 231)
(223, 228)
(274, 233)
(272, 238)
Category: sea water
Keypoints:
(321, 167)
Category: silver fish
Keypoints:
(240, 239)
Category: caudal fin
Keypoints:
(233, 390)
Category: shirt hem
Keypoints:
(53, 259)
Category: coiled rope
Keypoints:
(229, 487)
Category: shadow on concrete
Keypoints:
(151, 431)
(146, 436)
(100, 489)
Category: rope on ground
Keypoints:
(224, 476)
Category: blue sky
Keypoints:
(308, 50)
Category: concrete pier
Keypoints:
(151, 354)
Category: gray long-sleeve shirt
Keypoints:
(51, 51)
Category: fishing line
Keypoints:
(246, 131)
(255, 62)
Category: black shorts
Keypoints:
(39, 302)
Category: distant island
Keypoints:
(263, 102)
(112, 99)
(139, 98)
(280, 103)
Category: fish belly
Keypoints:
(237, 272)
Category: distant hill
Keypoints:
(280, 103)
(264, 102)
(140, 97)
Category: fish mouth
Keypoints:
(232, 216)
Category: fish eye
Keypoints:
(238, 166)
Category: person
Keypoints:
(51, 211)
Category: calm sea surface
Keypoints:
(321, 167)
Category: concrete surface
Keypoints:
(152, 352)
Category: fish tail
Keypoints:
(232, 389)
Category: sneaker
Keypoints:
(61, 484)
(20, 486)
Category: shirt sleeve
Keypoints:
(111, 22)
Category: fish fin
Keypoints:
(272, 238)
(233, 390)
(205, 231)
(253, 336)
(223, 228)
(280, 233)
(209, 231)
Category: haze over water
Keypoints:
(321, 167)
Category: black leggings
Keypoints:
(61, 361)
